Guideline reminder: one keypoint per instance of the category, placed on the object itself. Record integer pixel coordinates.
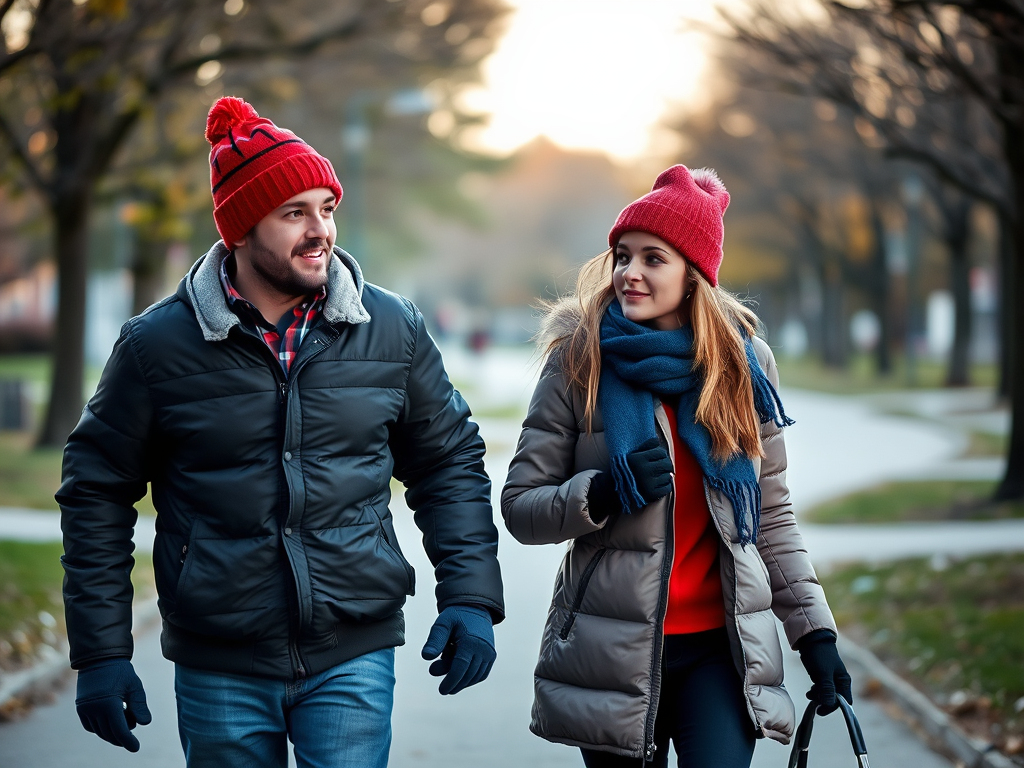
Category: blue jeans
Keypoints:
(340, 718)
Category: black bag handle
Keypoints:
(802, 740)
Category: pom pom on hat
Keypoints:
(685, 210)
(708, 180)
(256, 166)
(228, 112)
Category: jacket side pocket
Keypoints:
(187, 556)
(581, 591)
(396, 553)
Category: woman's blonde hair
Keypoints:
(721, 324)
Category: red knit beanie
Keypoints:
(685, 210)
(256, 166)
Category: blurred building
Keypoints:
(28, 305)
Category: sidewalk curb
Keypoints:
(973, 752)
(53, 663)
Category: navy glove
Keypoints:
(827, 672)
(111, 702)
(464, 639)
(652, 470)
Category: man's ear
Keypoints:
(241, 243)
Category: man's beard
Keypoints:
(278, 273)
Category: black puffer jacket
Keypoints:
(275, 553)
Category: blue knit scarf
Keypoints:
(637, 363)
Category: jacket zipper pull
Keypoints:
(284, 391)
(184, 551)
(649, 754)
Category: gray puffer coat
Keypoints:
(598, 677)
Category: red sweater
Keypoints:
(695, 599)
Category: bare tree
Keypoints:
(94, 69)
(804, 168)
(912, 69)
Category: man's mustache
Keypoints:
(309, 245)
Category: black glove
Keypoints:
(652, 470)
(464, 638)
(601, 497)
(111, 702)
(828, 673)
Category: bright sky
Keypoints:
(590, 74)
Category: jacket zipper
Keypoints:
(666, 573)
(659, 642)
(735, 592)
(580, 592)
(298, 662)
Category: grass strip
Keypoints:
(31, 605)
(987, 444)
(917, 501)
(30, 584)
(33, 368)
(956, 629)
(30, 476)
(860, 375)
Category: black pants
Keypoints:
(702, 708)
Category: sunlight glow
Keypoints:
(594, 74)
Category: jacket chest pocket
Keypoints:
(581, 591)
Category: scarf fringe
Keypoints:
(766, 398)
(745, 498)
(625, 485)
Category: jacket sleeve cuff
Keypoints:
(817, 636)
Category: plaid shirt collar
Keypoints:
(286, 337)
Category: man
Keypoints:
(269, 402)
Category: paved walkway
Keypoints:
(838, 445)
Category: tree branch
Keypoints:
(813, 67)
(945, 172)
(877, 26)
(111, 140)
(304, 47)
(9, 60)
(34, 174)
(170, 47)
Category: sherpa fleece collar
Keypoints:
(344, 292)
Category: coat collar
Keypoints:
(202, 285)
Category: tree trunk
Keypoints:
(71, 225)
(811, 308)
(148, 267)
(833, 315)
(1012, 485)
(1004, 305)
(880, 280)
(957, 233)
(1011, 66)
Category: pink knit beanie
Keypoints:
(256, 166)
(685, 210)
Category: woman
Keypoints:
(654, 446)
